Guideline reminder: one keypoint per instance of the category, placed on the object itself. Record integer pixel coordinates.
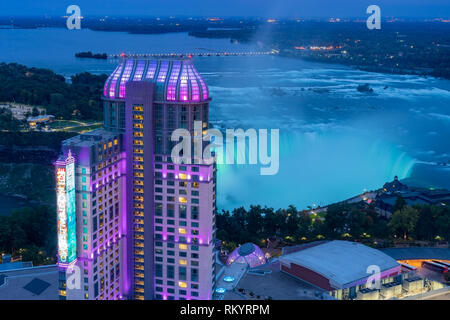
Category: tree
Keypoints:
(399, 203)
(404, 221)
(426, 225)
(35, 112)
(336, 220)
(34, 254)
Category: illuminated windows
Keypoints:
(182, 284)
(183, 176)
(182, 262)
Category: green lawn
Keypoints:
(74, 126)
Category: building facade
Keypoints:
(166, 223)
(99, 227)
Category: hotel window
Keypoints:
(158, 209)
(194, 275)
(194, 213)
(182, 273)
(182, 262)
(170, 210)
(170, 118)
(182, 199)
(170, 272)
(182, 211)
(159, 116)
(159, 144)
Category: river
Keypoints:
(335, 142)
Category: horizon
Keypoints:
(293, 9)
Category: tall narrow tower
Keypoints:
(170, 224)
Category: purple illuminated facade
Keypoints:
(100, 217)
(165, 230)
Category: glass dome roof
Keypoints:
(176, 80)
(247, 253)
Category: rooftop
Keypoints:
(15, 265)
(176, 80)
(269, 281)
(90, 138)
(36, 283)
(342, 262)
(411, 253)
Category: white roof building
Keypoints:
(338, 264)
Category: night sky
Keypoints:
(263, 8)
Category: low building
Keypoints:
(341, 267)
(249, 254)
(21, 281)
(387, 197)
(39, 120)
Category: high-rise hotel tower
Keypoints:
(145, 226)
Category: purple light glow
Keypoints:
(151, 70)
(163, 71)
(181, 80)
(115, 77)
(183, 83)
(139, 71)
(247, 253)
(173, 80)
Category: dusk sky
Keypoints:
(264, 8)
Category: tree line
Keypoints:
(30, 233)
(81, 98)
(359, 222)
